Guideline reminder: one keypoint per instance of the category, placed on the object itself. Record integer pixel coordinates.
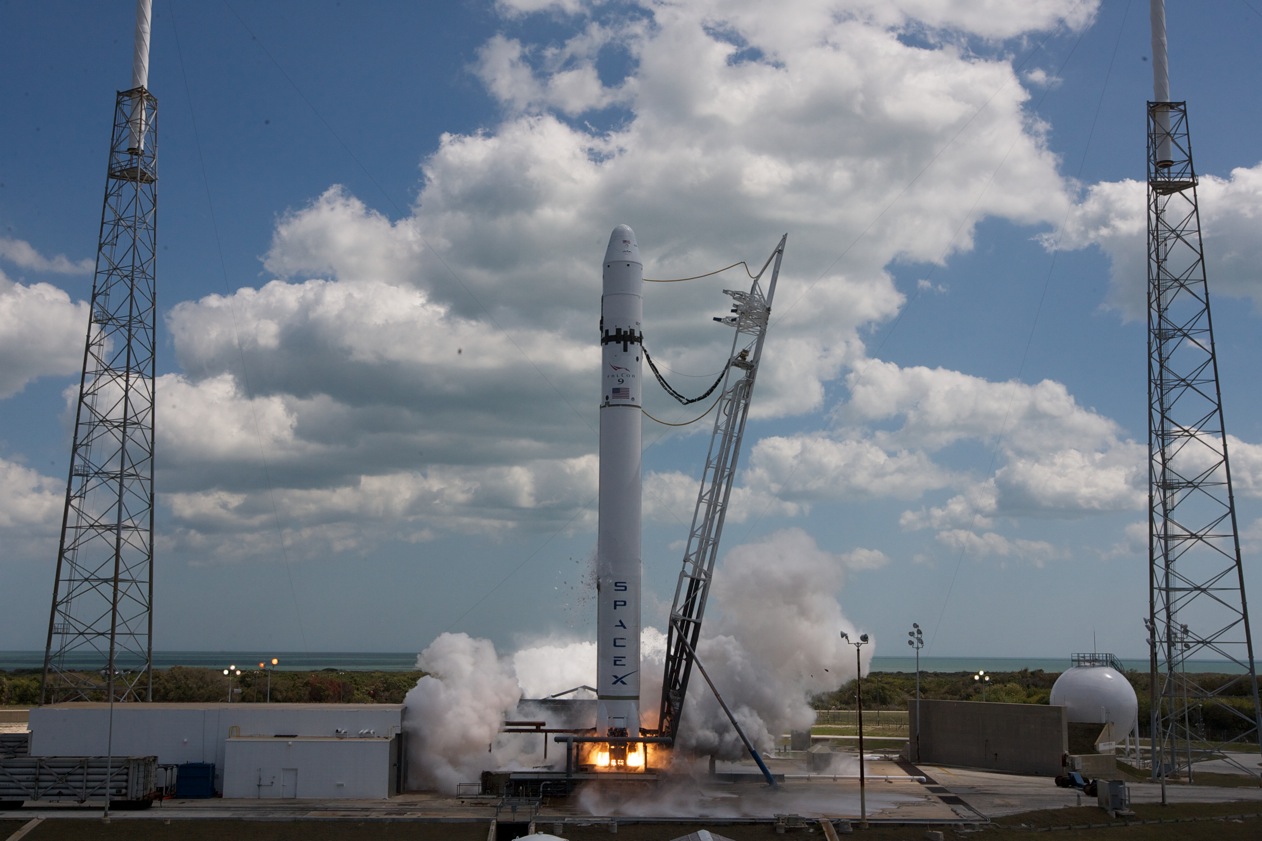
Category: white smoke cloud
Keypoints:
(776, 643)
(456, 710)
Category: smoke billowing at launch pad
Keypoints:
(764, 649)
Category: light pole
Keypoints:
(858, 676)
(982, 678)
(230, 673)
(917, 642)
(269, 668)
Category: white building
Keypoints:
(322, 751)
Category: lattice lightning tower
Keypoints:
(100, 627)
(1197, 607)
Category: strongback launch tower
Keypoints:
(1197, 607)
(99, 630)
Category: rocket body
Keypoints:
(618, 561)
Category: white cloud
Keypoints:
(989, 544)
(41, 334)
(973, 509)
(818, 467)
(863, 559)
(564, 78)
(1072, 481)
(1246, 467)
(23, 255)
(1113, 216)
(434, 373)
(338, 235)
(526, 7)
(939, 407)
(29, 502)
(988, 18)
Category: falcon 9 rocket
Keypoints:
(618, 561)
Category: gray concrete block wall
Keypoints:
(1018, 738)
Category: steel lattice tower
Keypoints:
(1197, 605)
(100, 627)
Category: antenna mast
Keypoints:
(99, 630)
(1196, 590)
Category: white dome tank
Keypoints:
(1096, 695)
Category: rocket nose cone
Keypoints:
(622, 246)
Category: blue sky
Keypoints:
(381, 227)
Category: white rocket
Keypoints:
(618, 531)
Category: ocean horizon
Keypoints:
(405, 661)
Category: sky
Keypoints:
(380, 234)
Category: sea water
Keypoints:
(405, 661)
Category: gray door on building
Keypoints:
(289, 782)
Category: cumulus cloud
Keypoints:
(1113, 217)
(29, 502)
(939, 407)
(972, 509)
(989, 544)
(433, 373)
(41, 333)
(819, 467)
(23, 255)
(1246, 467)
(1075, 481)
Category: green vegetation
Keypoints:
(892, 691)
(182, 683)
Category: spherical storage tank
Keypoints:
(1096, 695)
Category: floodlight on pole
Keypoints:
(231, 672)
(269, 668)
(982, 678)
(858, 676)
(917, 642)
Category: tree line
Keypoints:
(204, 685)
(894, 690)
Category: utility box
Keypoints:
(1114, 797)
(820, 759)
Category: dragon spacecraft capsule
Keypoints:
(618, 562)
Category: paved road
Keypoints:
(995, 795)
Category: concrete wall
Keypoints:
(350, 768)
(1020, 738)
(180, 733)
